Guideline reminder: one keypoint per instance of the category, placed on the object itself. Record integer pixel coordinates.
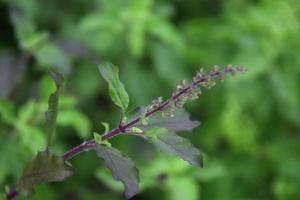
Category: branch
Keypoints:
(201, 79)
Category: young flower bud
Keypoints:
(194, 92)
(155, 104)
(230, 69)
(216, 69)
(169, 110)
(222, 77)
(144, 120)
(180, 101)
(181, 85)
(200, 75)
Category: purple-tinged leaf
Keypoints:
(44, 168)
(172, 144)
(122, 167)
(180, 122)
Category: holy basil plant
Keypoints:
(157, 123)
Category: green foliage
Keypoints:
(98, 139)
(250, 127)
(123, 169)
(7, 111)
(117, 91)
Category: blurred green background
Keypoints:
(250, 131)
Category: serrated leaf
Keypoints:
(117, 91)
(172, 144)
(122, 167)
(51, 113)
(44, 168)
(180, 122)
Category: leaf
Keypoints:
(136, 130)
(182, 187)
(33, 138)
(122, 168)
(7, 111)
(12, 68)
(98, 139)
(180, 122)
(117, 91)
(76, 119)
(51, 113)
(172, 144)
(44, 168)
(37, 43)
(106, 126)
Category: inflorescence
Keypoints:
(190, 91)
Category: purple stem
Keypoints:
(90, 144)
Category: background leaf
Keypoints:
(117, 91)
(76, 119)
(51, 113)
(44, 168)
(122, 168)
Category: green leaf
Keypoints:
(7, 111)
(49, 55)
(97, 138)
(172, 144)
(51, 113)
(117, 91)
(37, 43)
(76, 119)
(182, 187)
(44, 168)
(122, 168)
(32, 137)
(136, 130)
(106, 126)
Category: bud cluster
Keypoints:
(185, 91)
(234, 70)
(169, 109)
(156, 103)
(181, 100)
